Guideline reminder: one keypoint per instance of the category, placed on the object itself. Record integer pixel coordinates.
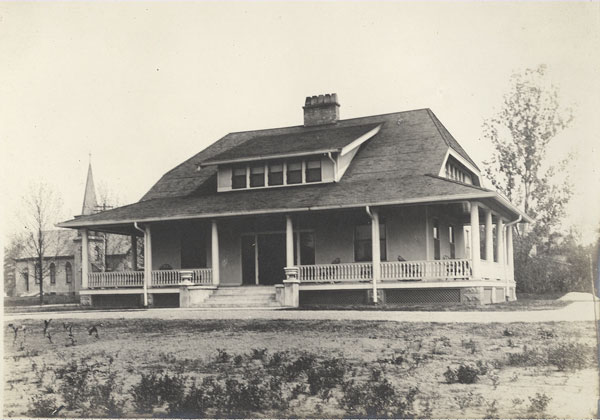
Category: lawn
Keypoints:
(276, 368)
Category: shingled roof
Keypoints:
(310, 141)
(399, 164)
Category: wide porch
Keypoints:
(419, 248)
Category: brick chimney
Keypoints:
(322, 109)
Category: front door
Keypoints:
(271, 258)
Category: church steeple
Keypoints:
(89, 198)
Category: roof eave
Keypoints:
(267, 157)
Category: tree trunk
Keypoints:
(40, 276)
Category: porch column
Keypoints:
(475, 242)
(289, 241)
(147, 262)
(134, 253)
(500, 241)
(509, 249)
(85, 260)
(215, 251)
(489, 237)
(375, 251)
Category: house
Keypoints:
(63, 252)
(297, 215)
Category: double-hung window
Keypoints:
(294, 172)
(362, 243)
(238, 177)
(276, 173)
(257, 176)
(313, 170)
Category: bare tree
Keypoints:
(41, 209)
(12, 251)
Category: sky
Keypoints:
(142, 86)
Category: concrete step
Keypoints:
(209, 304)
(245, 291)
(234, 298)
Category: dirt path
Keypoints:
(576, 311)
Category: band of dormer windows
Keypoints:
(276, 173)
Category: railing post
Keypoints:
(291, 293)
(84, 258)
(475, 241)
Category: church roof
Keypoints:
(89, 196)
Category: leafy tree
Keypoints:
(529, 119)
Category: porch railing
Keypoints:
(173, 277)
(394, 270)
(418, 270)
(335, 272)
(116, 279)
(160, 278)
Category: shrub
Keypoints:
(538, 404)
(222, 356)
(465, 374)
(468, 399)
(145, 393)
(375, 399)
(569, 356)
(42, 406)
(492, 410)
(258, 354)
(527, 357)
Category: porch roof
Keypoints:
(380, 192)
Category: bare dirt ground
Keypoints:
(531, 384)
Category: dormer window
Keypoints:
(238, 177)
(257, 176)
(276, 173)
(294, 172)
(457, 173)
(313, 170)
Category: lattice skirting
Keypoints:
(422, 296)
(117, 301)
(333, 297)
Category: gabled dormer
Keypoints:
(318, 152)
(457, 168)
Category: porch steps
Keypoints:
(242, 297)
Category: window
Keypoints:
(68, 273)
(436, 239)
(37, 273)
(294, 172)
(238, 177)
(25, 274)
(52, 273)
(451, 240)
(276, 173)
(257, 176)
(362, 242)
(313, 171)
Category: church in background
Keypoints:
(62, 261)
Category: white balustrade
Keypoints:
(336, 272)
(419, 270)
(395, 270)
(116, 279)
(160, 278)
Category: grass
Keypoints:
(523, 303)
(282, 368)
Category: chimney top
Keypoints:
(322, 109)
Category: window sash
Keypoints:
(313, 171)
(294, 172)
(238, 178)
(257, 176)
(276, 174)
